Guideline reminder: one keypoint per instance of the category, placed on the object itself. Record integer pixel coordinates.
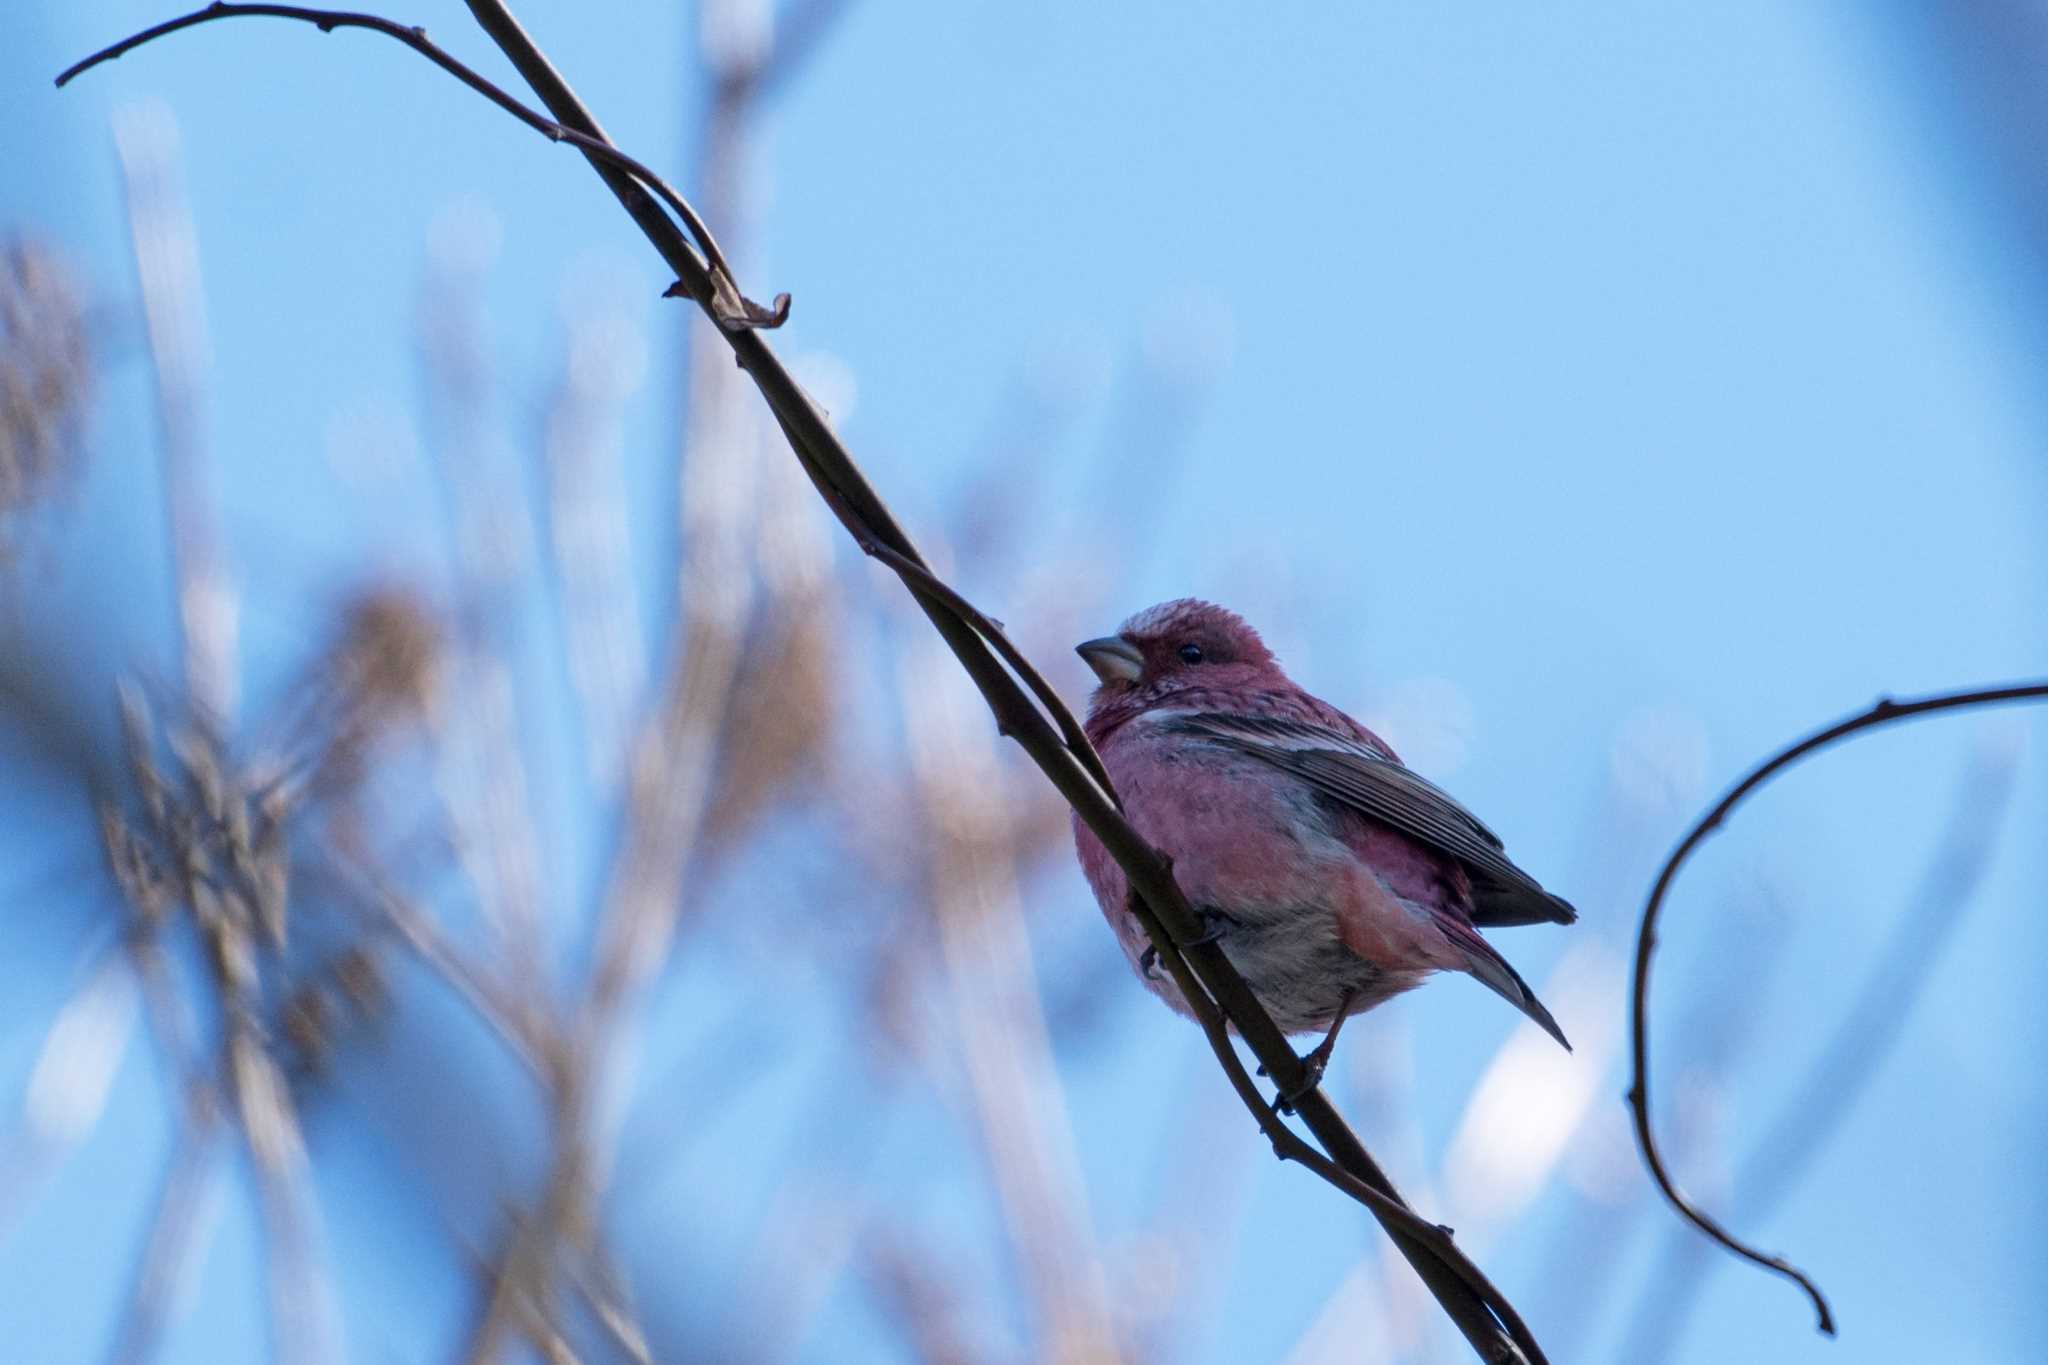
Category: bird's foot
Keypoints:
(1314, 1064)
(1215, 924)
(1312, 1068)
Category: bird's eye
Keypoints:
(1191, 654)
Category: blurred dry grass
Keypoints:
(45, 373)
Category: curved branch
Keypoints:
(416, 38)
(1881, 1009)
(1884, 712)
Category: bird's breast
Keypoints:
(1241, 835)
(1307, 920)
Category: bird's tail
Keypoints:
(1499, 906)
(1493, 970)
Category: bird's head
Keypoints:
(1174, 646)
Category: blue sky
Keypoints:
(1572, 365)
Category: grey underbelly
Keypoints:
(1303, 980)
(1301, 971)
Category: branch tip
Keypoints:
(735, 312)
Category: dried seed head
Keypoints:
(138, 732)
(205, 769)
(233, 956)
(345, 993)
(779, 729)
(380, 668)
(135, 869)
(360, 974)
(308, 1027)
(389, 652)
(45, 371)
(268, 874)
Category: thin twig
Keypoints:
(415, 38)
(197, 1109)
(480, 769)
(301, 1327)
(590, 587)
(1288, 1145)
(487, 996)
(669, 787)
(799, 32)
(922, 580)
(1884, 712)
(1860, 1040)
(809, 1232)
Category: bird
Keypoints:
(1331, 875)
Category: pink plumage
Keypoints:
(1332, 875)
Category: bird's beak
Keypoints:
(1113, 658)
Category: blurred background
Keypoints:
(490, 873)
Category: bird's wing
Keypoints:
(1367, 778)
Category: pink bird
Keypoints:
(1332, 876)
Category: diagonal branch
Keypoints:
(1488, 1324)
(1288, 1146)
(1884, 712)
(922, 580)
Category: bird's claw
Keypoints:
(1215, 923)
(1314, 1064)
(1312, 1068)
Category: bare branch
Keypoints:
(301, 1323)
(494, 1003)
(920, 579)
(1288, 1146)
(1170, 919)
(1884, 712)
(480, 768)
(611, 1303)
(592, 592)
